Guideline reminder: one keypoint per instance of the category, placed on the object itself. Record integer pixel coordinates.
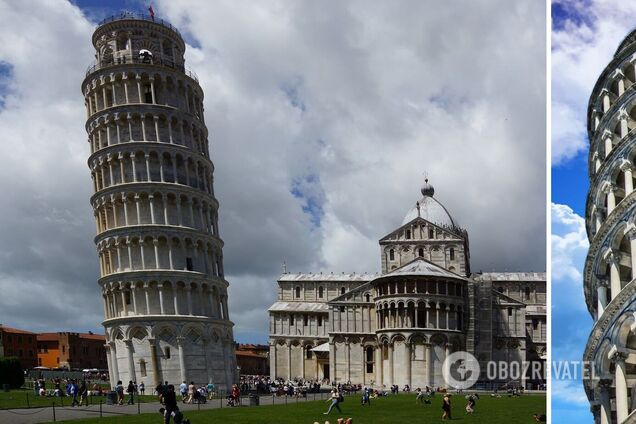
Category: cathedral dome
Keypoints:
(430, 209)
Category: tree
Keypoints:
(11, 372)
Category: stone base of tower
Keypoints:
(169, 349)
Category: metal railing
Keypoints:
(138, 16)
(136, 58)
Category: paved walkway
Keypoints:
(50, 414)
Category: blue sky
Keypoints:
(585, 35)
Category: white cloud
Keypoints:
(569, 249)
(581, 48)
(569, 391)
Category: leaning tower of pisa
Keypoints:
(160, 253)
(610, 267)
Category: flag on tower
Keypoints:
(152, 12)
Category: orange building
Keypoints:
(19, 343)
(71, 350)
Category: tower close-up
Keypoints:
(610, 266)
(160, 253)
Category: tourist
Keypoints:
(365, 397)
(73, 389)
(83, 392)
(470, 406)
(335, 400)
(210, 390)
(131, 393)
(119, 388)
(236, 395)
(183, 390)
(446, 407)
(169, 400)
(191, 390)
(142, 388)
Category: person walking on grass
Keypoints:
(335, 400)
(446, 407)
(142, 388)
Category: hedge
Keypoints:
(11, 372)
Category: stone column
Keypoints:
(391, 363)
(332, 360)
(109, 361)
(606, 407)
(189, 296)
(272, 359)
(182, 366)
(621, 387)
(608, 145)
(615, 280)
(131, 361)
(348, 359)
(611, 198)
(160, 290)
(379, 366)
(133, 292)
(632, 246)
(626, 167)
(113, 360)
(289, 360)
(175, 299)
(407, 348)
(363, 361)
(147, 299)
(429, 364)
(153, 362)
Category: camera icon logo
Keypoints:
(460, 370)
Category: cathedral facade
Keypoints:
(398, 326)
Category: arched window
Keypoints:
(408, 234)
(369, 353)
(297, 294)
(431, 233)
(308, 350)
(420, 252)
(527, 293)
(451, 254)
(291, 319)
(342, 290)
(321, 292)
(147, 93)
(367, 297)
(391, 255)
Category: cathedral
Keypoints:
(398, 326)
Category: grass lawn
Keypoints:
(393, 409)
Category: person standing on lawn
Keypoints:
(335, 399)
(446, 407)
(169, 400)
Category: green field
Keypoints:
(393, 409)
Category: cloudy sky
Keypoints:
(585, 35)
(323, 117)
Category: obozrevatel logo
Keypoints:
(460, 370)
